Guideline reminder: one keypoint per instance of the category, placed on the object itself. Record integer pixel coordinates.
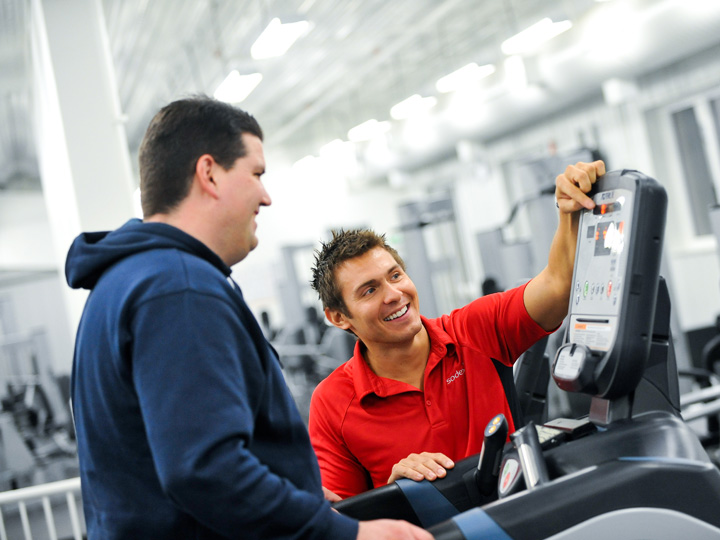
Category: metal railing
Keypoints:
(22, 510)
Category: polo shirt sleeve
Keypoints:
(340, 471)
(497, 324)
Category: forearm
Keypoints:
(561, 259)
(547, 296)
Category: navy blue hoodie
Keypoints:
(185, 426)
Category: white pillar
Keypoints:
(82, 147)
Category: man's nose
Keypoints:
(265, 200)
(392, 293)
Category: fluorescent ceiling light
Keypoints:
(531, 38)
(412, 106)
(336, 147)
(515, 73)
(277, 38)
(617, 91)
(236, 87)
(420, 134)
(368, 130)
(463, 76)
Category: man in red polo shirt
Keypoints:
(418, 392)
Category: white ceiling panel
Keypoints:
(359, 58)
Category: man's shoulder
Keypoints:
(337, 388)
(173, 264)
(341, 378)
(165, 257)
(161, 272)
(489, 306)
(331, 400)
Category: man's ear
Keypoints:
(204, 167)
(337, 318)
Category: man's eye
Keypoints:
(368, 291)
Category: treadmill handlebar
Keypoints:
(533, 464)
(488, 469)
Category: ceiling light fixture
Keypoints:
(530, 39)
(465, 75)
(411, 106)
(336, 146)
(515, 73)
(277, 38)
(236, 87)
(368, 130)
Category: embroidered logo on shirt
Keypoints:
(457, 374)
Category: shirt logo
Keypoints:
(457, 374)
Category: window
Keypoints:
(697, 131)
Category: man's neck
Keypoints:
(401, 362)
(190, 218)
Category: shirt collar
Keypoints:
(366, 382)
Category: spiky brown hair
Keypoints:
(343, 246)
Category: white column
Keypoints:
(82, 147)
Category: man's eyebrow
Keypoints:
(368, 283)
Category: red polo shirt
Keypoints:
(361, 424)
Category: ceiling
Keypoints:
(359, 59)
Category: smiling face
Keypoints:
(381, 299)
(243, 193)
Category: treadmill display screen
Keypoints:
(609, 238)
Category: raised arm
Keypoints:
(547, 295)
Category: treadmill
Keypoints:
(631, 468)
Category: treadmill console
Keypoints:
(629, 206)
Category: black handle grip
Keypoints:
(489, 464)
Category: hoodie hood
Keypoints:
(92, 253)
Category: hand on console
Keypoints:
(391, 529)
(571, 186)
(330, 496)
(428, 466)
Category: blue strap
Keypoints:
(476, 524)
(428, 503)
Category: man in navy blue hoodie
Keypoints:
(185, 426)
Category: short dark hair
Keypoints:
(177, 136)
(343, 246)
